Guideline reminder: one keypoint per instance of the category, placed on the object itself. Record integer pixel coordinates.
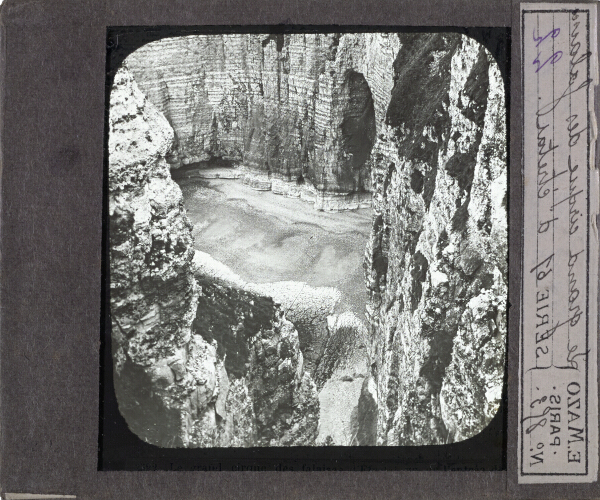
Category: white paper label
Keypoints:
(558, 395)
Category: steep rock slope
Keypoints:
(334, 346)
(271, 399)
(342, 371)
(418, 120)
(436, 261)
(295, 110)
(180, 379)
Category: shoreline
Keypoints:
(325, 201)
(267, 238)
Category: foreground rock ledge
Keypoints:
(180, 383)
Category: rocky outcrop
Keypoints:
(436, 260)
(334, 346)
(259, 349)
(309, 308)
(328, 341)
(415, 121)
(153, 295)
(193, 365)
(300, 112)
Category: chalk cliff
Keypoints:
(417, 121)
(299, 112)
(194, 364)
(436, 262)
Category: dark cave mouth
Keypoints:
(215, 162)
(358, 130)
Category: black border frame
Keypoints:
(117, 444)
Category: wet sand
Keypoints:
(265, 237)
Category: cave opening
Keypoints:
(203, 168)
(358, 130)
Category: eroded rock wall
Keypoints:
(419, 120)
(334, 346)
(276, 403)
(299, 108)
(191, 366)
(436, 260)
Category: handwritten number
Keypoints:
(552, 59)
(532, 427)
(553, 34)
(538, 401)
(540, 274)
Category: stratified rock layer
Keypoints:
(194, 366)
(300, 109)
(436, 261)
(416, 119)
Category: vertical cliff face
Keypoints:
(292, 108)
(416, 119)
(153, 295)
(218, 378)
(436, 261)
